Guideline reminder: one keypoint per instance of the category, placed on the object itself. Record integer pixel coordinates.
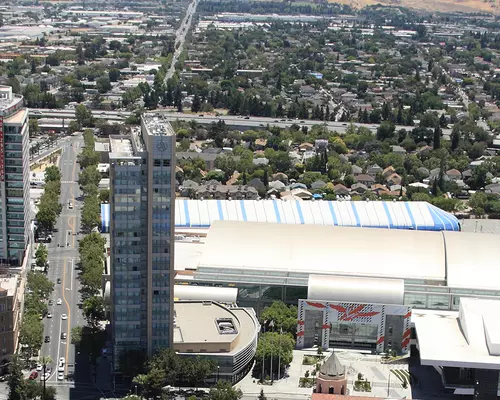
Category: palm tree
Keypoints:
(45, 360)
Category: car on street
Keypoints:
(49, 315)
(59, 302)
(58, 280)
(47, 339)
(62, 360)
(60, 376)
(39, 367)
(33, 376)
(63, 335)
(51, 302)
(60, 368)
(64, 316)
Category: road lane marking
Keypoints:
(72, 268)
(69, 319)
(56, 362)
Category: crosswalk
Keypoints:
(68, 182)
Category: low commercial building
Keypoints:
(464, 347)
(11, 294)
(228, 337)
(354, 312)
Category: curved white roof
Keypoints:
(472, 260)
(205, 293)
(374, 214)
(355, 289)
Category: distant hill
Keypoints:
(467, 6)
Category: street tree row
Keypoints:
(49, 207)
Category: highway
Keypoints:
(234, 121)
(180, 37)
(63, 256)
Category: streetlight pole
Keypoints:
(218, 368)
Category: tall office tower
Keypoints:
(15, 215)
(142, 202)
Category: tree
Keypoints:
(33, 126)
(52, 173)
(114, 75)
(33, 304)
(31, 334)
(41, 255)
(40, 284)
(91, 213)
(276, 347)
(88, 156)
(73, 126)
(94, 311)
(196, 105)
(132, 362)
(104, 195)
(385, 130)
(76, 335)
(437, 137)
(16, 381)
(225, 391)
(89, 175)
(103, 84)
(283, 316)
(83, 116)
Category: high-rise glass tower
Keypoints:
(15, 215)
(142, 198)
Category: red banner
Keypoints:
(2, 158)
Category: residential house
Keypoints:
(340, 190)
(320, 144)
(257, 184)
(379, 189)
(373, 170)
(222, 192)
(365, 179)
(280, 176)
(301, 193)
(189, 188)
(306, 147)
(356, 170)
(319, 184)
(398, 150)
(454, 174)
(260, 144)
(359, 188)
(260, 161)
(394, 179)
(388, 171)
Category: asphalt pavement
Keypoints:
(180, 37)
(63, 257)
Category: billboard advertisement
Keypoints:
(2, 154)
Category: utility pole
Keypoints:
(44, 381)
(389, 384)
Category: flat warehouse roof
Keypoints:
(325, 250)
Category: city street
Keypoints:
(63, 257)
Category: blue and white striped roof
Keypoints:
(373, 214)
(376, 214)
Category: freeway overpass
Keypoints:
(232, 121)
